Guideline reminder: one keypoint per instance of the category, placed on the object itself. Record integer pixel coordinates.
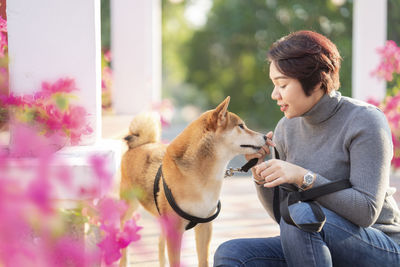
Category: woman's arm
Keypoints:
(371, 150)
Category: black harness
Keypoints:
(193, 220)
(287, 194)
(284, 196)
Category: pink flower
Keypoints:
(110, 211)
(3, 44)
(129, 233)
(114, 239)
(107, 56)
(60, 86)
(98, 164)
(373, 101)
(3, 25)
(110, 248)
(390, 61)
(166, 110)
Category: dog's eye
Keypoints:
(241, 126)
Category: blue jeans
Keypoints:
(340, 243)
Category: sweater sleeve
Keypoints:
(265, 194)
(368, 141)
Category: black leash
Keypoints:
(193, 220)
(286, 195)
(245, 168)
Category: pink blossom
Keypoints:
(3, 44)
(373, 101)
(27, 143)
(98, 164)
(110, 212)
(3, 25)
(166, 110)
(129, 233)
(65, 85)
(107, 56)
(111, 251)
(390, 61)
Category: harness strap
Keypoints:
(193, 220)
(156, 188)
(286, 195)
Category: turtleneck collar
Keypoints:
(323, 109)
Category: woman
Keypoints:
(323, 137)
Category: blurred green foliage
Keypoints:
(105, 25)
(227, 56)
(393, 24)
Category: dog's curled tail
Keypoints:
(144, 128)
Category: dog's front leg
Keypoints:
(203, 233)
(174, 244)
(161, 250)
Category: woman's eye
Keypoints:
(241, 126)
(283, 86)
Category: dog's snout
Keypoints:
(265, 138)
(128, 138)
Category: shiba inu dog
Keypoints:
(192, 170)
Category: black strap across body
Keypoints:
(288, 194)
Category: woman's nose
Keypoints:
(275, 95)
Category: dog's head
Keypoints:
(231, 132)
(217, 136)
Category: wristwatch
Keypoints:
(308, 179)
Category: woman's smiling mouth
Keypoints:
(284, 107)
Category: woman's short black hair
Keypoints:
(308, 57)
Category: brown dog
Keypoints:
(193, 167)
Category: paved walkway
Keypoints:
(241, 216)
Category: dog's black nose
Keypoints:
(265, 137)
(128, 138)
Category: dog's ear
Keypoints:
(221, 112)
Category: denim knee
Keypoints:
(226, 254)
(291, 235)
(302, 213)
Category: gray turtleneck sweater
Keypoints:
(342, 138)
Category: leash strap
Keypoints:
(193, 220)
(250, 164)
(286, 195)
(291, 197)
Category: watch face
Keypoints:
(308, 179)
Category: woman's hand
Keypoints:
(276, 172)
(261, 153)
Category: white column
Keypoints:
(136, 54)
(369, 33)
(51, 39)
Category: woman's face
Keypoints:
(289, 94)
